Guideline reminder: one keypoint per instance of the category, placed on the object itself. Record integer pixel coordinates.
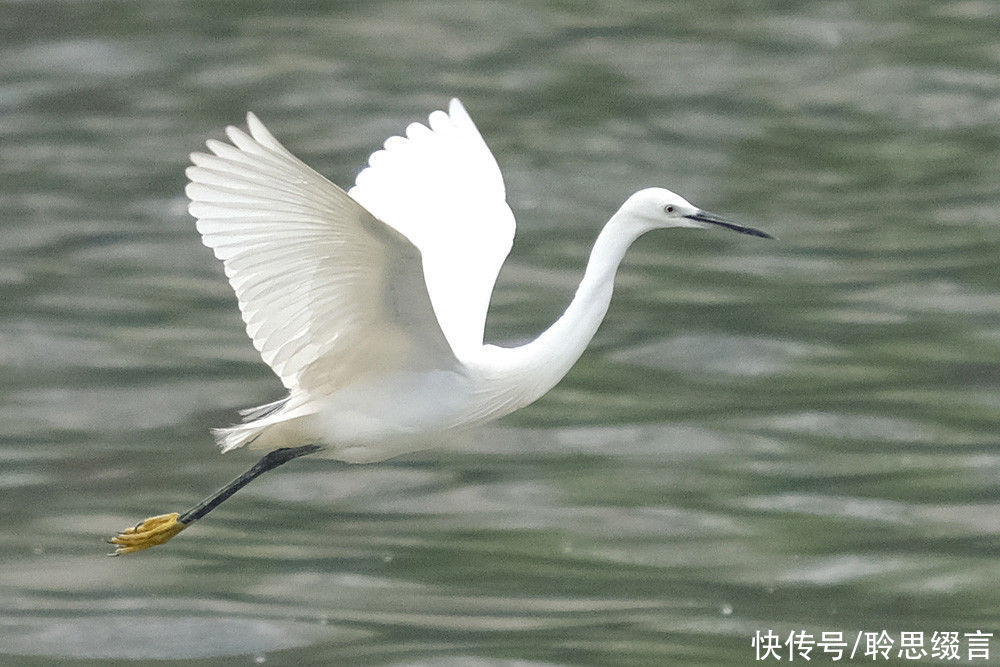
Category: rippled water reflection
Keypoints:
(792, 435)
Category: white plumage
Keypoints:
(370, 305)
(442, 189)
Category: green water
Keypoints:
(791, 435)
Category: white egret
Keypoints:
(370, 304)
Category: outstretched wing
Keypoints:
(441, 187)
(328, 293)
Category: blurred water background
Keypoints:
(798, 434)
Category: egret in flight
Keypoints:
(369, 305)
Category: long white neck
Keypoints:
(550, 356)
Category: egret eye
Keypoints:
(669, 209)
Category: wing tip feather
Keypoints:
(218, 148)
(417, 130)
(458, 113)
(237, 136)
(261, 134)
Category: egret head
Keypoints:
(658, 208)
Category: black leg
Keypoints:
(270, 461)
(158, 529)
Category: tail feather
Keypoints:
(233, 437)
(249, 414)
(240, 435)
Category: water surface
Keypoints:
(790, 435)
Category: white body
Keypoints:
(370, 305)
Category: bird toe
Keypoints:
(148, 533)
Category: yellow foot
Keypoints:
(149, 533)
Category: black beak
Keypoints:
(712, 219)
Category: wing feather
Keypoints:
(440, 186)
(328, 292)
